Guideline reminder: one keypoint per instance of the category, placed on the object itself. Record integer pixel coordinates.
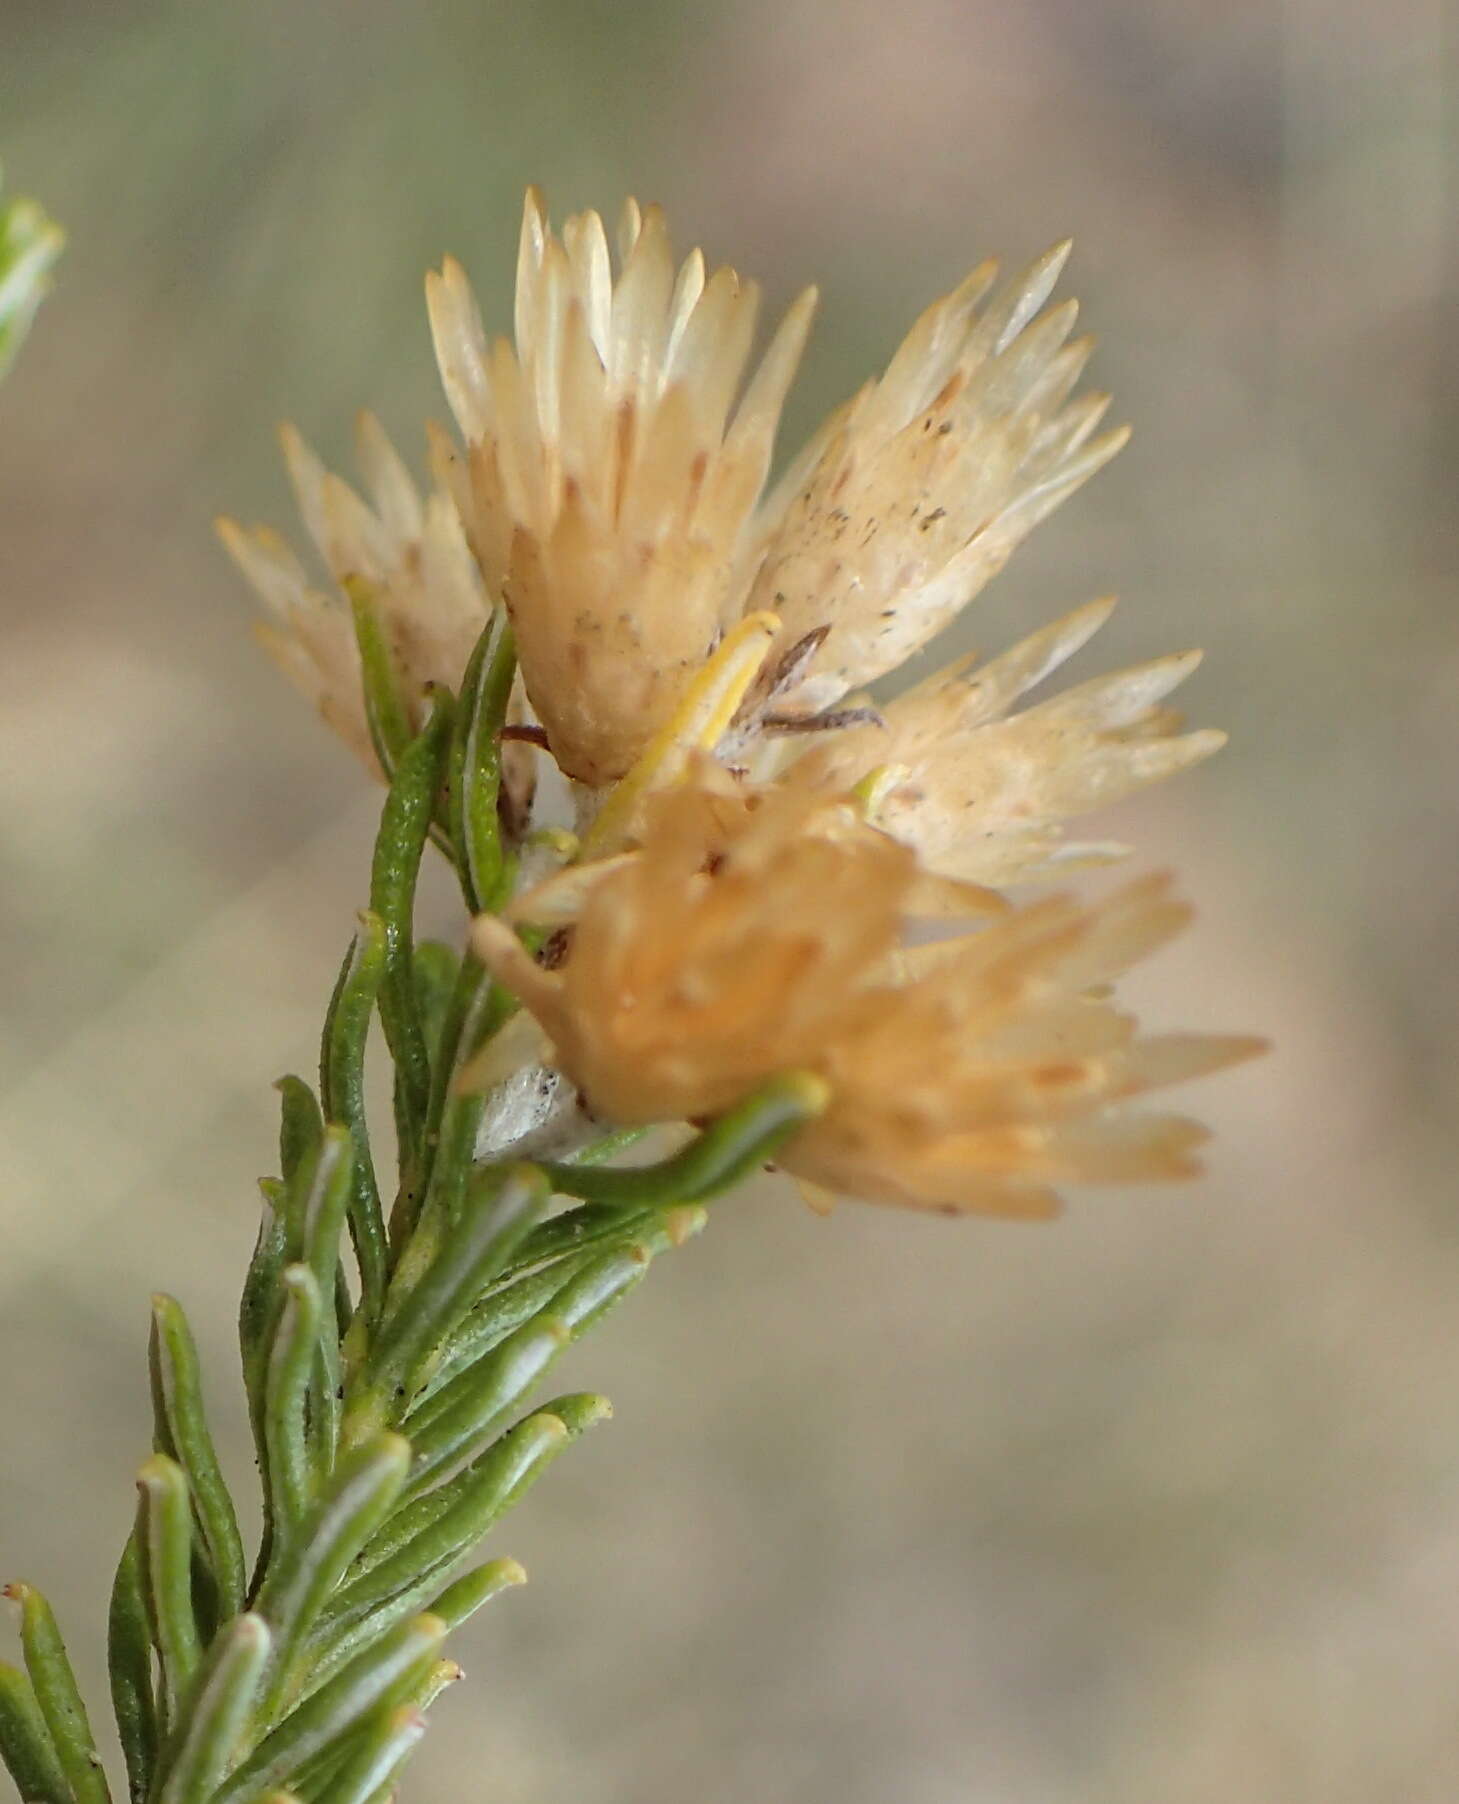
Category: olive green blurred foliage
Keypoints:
(1162, 1502)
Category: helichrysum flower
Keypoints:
(609, 475)
(612, 498)
(982, 792)
(736, 945)
(401, 558)
(915, 495)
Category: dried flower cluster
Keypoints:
(752, 836)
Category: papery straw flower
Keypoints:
(607, 482)
(402, 557)
(611, 497)
(982, 792)
(915, 494)
(972, 1076)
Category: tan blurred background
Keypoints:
(1158, 1504)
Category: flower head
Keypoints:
(609, 474)
(737, 944)
(401, 558)
(709, 958)
(917, 492)
(982, 792)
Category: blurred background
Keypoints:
(1161, 1503)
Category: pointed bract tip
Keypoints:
(684, 1223)
(809, 1091)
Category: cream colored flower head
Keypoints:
(983, 792)
(610, 481)
(916, 493)
(614, 454)
(401, 558)
(737, 945)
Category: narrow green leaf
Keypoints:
(129, 1664)
(416, 1691)
(727, 1151)
(607, 1146)
(260, 1300)
(25, 1743)
(312, 1562)
(217, 1711)
(475, 768)
(471, 1409)
(382, 1748)
(318, 1203)
(335, 1711)
(436, 967)
(342, 1089)
(497, 1315)
(288, 1469)
(405, 824)
(478, 1007)
(501, 1209)
(318, 1198)
(386, 712)
(182, 1433)
(518, 1298)
(464, 1596)
(473, 1406)
(442, 1535)
(301, 1124)
(59, 1697)
(164, 1547)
